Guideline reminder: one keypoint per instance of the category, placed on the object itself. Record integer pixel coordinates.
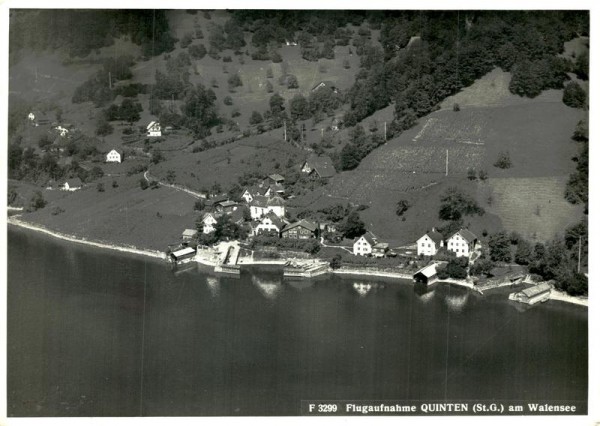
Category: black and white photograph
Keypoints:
(294, 212)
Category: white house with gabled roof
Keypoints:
(153, 129)
(363, 245)
(114, 156)
(462, 243)
(430, 243)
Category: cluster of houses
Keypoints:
(266, 205)
(462, 243)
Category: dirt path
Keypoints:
(194, 194)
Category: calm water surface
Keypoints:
(94, 333)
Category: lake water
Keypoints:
(96, 333)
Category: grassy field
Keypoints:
(534, 207)
(226, 163)
(125, 215)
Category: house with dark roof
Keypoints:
(462, 243)
(274, 178)
(250, 192)
(37, 118)
(301, 230)
(325, 84)
(321, 167)
(72, 184)
(262, 205)
(430, 243)
(269, 224)
(364, 244)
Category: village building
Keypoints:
(153, 129)
(301, 230)
(319, 167)
(72, 185)
(269, 224)
(114, 156)
(209, 220)
(226, 206)
(430, 243)
(532, 295)
(189, 234)
(363, 246)
(380, 249)
(262, 205)
(325, 84)
(62, 131)
(250, 192)
(462, 243)
(37, 118)
(427, 275)
(274, 189)
(275, 178)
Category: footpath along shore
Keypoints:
(13, 220)
(212, 261)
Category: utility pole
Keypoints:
(579, 256)
(385, 131)
(284, 131)
(446, 162)
(322, 133)
(109, 81)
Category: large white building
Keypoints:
(430, 243)
(462, 243)
(269, 224)
(363, 245)
(261, 205)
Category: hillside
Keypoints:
(536, 133)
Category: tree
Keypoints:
(574, 96)
(197, 51)
(157, 156)
(276, 103)
(44, 142)
(402, 207)
(255, 118)
(353, 226)
(455, 204)
(227, 100)
(36, 202)
(225, 229)
(100, 187)
(234, 81)
(471, 174)
(523, 253)
(143, 184)
(292, 82)
(457, 268)
(503, 160)
(336, 261)
(171, 176)
(299, 108)
(499, 244)
(103, 127)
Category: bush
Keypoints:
(574, 96)
(100, 187)
(256, 118)
(36, 202)
(227, 100)
(197, 51)
(503, 160)
(143, 184)
(402, 207)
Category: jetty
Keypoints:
(228, 263)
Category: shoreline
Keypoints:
(13, 220)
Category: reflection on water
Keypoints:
(363, 288)
(424, 292)
(213, 285)
(456, 302)
(269, 288)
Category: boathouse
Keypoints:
(532, 295)
(426, 275)
(182, 254)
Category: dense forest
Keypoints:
(80, 32)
